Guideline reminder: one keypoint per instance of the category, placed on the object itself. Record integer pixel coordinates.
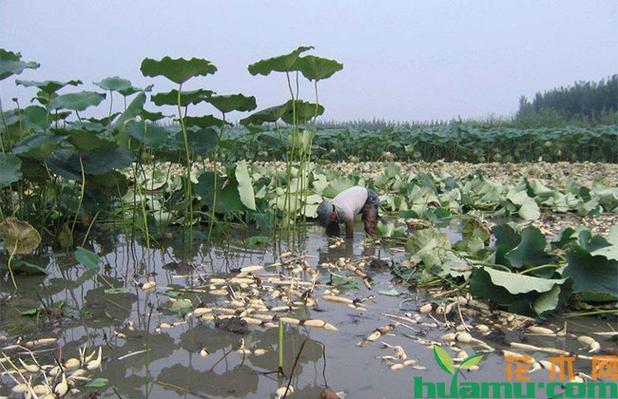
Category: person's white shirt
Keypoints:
(349, 203)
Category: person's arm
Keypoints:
(349, 229)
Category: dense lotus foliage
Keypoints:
(466, 142)
(67, 175)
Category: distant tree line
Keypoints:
(594, 102)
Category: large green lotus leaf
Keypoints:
(149, 134)
(566, 239)
(515, 283)
(611, 250)
(77, 101)
(35, 117)
(592, 274)
(201, 141)
(548, 301)
(178, 70)
(95, 124)
(591, 242)
(204, 121)
(87, 141)
(66, 163)
(233, 102)
(506, 239)
(101, 162)
(186, 97)
(205, 185)
(317, 68)
(11, 64)
(35, 171)
(114, 83)
(303, 111)
(272, 140)
(89, 125)
(530, 251)
(47, 86)
(134, 109)
(44, 98)
(37, 146)
(111, 184)
(281, 63)
(151, 116)
(267, 115)
(10, 169)
(515, 292)
(529, 209)
(132, 90)
(10, 117)
(245, 185)
(19, 236)
(228, 200)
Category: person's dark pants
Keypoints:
(370, 213)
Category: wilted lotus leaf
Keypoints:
(474, 228)
(11, 64)
(19, 236)
(77, 101)
(318, 68)
(177, 70)
(281, 63)
(114, 83)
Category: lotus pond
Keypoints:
(204, 323)
(154, 255)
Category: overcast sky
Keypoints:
(403, 59)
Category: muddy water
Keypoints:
(168, 364)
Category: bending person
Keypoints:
(345, 206)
